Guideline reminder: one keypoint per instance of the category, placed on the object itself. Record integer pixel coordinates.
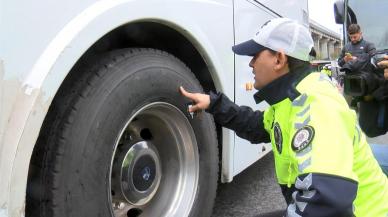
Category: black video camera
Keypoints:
(363, 77)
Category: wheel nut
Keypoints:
(121, 205)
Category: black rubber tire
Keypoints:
(71, 162)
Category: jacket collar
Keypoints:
(358, 42)
(282, 87)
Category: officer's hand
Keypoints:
(384, 64)
(202, 101)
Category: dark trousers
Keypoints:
(373, 117)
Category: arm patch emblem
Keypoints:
(278, 137)
(302, 138)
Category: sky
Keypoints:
(322, 12)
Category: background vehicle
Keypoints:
(318, 65)
(91, 122)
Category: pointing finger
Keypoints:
(185, 93)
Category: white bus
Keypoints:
(91, 121)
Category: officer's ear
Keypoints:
(281, 60)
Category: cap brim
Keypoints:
(248, 48)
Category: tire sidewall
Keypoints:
(127, 84)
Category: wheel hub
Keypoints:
(157, 139)
(140, 173)
(143, 173)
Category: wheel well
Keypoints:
(139, 34)
(158, 36)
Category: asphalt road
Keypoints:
(383, 140)
(252, 192)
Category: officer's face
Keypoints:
(265, 67)
(356, 37)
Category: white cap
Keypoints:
(279, 34)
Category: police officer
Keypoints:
(326, 69)
(322, 160)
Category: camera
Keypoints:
(363, 77)
(361, 83)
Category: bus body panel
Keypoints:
(41, 41)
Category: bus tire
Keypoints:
(118, 141)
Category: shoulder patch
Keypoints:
(302, 138)
(278, 137)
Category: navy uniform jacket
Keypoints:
(332, 190)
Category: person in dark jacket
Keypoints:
(381, 151)
(358, 51)
(323, 164)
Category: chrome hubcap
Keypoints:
(138, 166)
(155, 166)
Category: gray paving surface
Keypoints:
(252, 192)
(383, 140)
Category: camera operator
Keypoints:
(373, 103)
(381, 151)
